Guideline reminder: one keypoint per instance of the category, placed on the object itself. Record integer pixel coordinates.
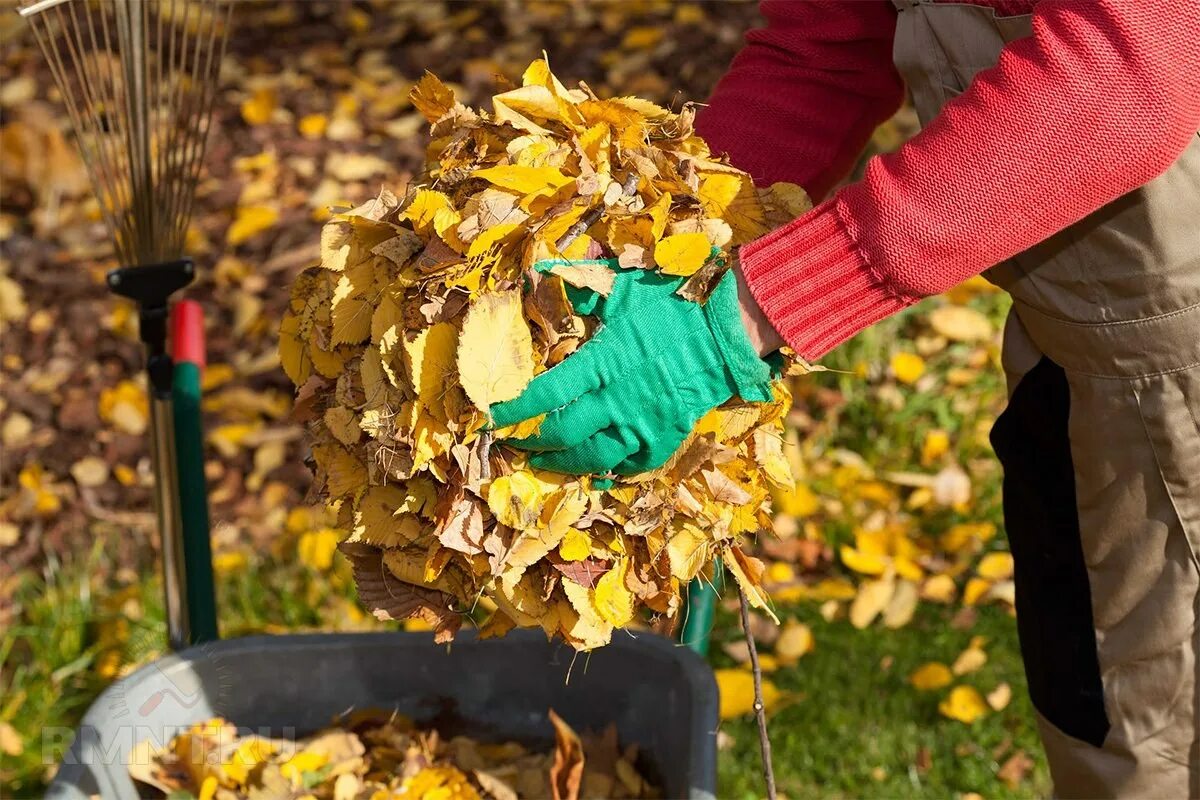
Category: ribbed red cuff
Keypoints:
(813, 283)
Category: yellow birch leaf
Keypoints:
(312, 126)
(975, 589)
(960, 324)
(995, 566)
(863, 563)
(999, 697)
(526, 180)
(378, 521)
(250, 221)
(902, 606)
(931, 676)
(431, 97)
(424, 208)
(430, 359)
(582, 626)
(969, 660)
(687, 550)
(259, 107)
(748, 572)
(936, 443)
(963, 704)
(939, 589)
(495, 350)
(613, 601)
(872, 598)
(795, 640)
(514, 500)
(683, 253)
(736, 687)
(563, 509)
(575, 546)
(908, 367)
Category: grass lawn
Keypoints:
(858, 729)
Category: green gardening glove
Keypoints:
(626, 400)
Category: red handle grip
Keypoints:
(187, 332)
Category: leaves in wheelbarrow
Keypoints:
(375, 753)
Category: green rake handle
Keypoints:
(187, 345)
(701, 607)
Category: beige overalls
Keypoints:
(1101, 452)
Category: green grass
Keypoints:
(856, 726)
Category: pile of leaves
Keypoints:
(425, 311)
(378, 754)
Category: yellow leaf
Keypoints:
(613, 601)
(495, 350)
(936, 443)
(526, 180)
(429, 358)
(312, 126)
(748, 572)
(966, 535)
(902, 606)
(963, 704)
(975, 589)
(304, 761)
(683, 253)
(999, 697)
(863, 563)
(576, 546)
(514, 500)
(563, 509)
(10, 740)
(872, 598)
(250, 221)
(736, 687)
(687, 550)
(380, 518)
(939, 589)
(969, 660)
(583, 625)
(960, 324)
(795, 640)
(995, 566)
(908, 367)
(432, 97)
(781, 572)
(930, 676)
(316, 548)
(126, 407)
(258, 109)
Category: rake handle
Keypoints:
(151, 286)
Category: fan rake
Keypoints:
(138, 79)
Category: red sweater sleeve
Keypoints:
(804, 94)
(1102, 98)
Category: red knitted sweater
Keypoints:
(1102, 98)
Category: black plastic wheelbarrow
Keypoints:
(660, 695)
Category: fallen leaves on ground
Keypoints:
(373, 754)
(736, 687)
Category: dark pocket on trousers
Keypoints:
(1053, 597)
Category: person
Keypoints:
(1060, 153)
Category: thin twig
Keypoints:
(593, 215)
(760, 710)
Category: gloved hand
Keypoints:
(627, 399)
